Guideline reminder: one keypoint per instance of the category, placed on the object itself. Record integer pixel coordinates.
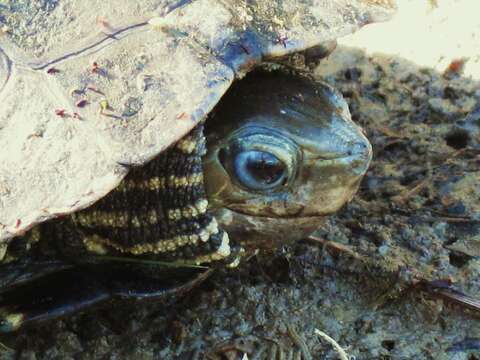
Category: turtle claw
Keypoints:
(75, 289)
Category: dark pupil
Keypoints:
(264, 166)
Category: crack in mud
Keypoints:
(179, 4)
(82, 50)
(5, 69)
(112, 36)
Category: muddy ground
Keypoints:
(379, 277)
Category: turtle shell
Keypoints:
(89, 89)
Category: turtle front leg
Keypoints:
(76, 288)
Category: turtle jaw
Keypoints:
(254, 233)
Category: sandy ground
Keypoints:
(416, 220)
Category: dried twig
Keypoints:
(337, 247)
(405, 195)
(341, 353)
(450, 294)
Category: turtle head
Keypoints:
(282, 154)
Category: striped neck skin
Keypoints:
(159, 211)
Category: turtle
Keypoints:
(147, 143)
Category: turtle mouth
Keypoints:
(291, 216)
(357, 163)
(265, 232)
(356, 160)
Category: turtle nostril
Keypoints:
(360, 148)
(362, 151)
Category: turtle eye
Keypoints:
(259, 170)
(259, 160)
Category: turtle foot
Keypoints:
(77, 288)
